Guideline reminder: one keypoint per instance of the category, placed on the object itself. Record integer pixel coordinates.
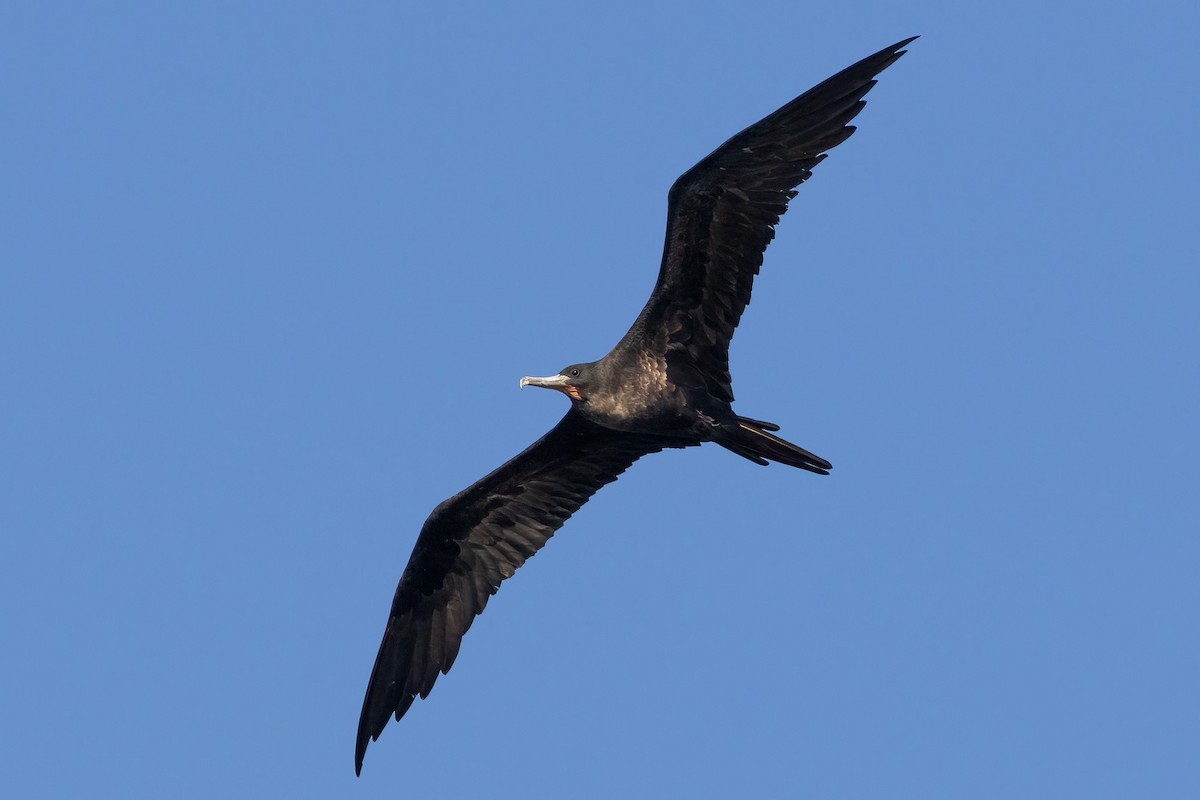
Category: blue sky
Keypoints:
(270, 273)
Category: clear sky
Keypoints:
(269, 273)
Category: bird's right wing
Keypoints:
(475, 540)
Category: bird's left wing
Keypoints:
(475, 540)
(721, 215)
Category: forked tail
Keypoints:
(751, 439)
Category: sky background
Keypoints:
(269, 273)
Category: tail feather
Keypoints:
(751, 439)
(758, 423)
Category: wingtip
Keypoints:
(360, 748)
(874, 64)
(895, 51)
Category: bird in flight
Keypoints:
(665, 384)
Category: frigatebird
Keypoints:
(665, 384)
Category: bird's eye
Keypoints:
(574, 373)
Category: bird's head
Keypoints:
(573, 381)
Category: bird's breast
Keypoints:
(641, 400)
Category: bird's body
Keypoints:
(665, 385)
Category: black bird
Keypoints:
(665, 384)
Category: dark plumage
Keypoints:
(665, 384)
